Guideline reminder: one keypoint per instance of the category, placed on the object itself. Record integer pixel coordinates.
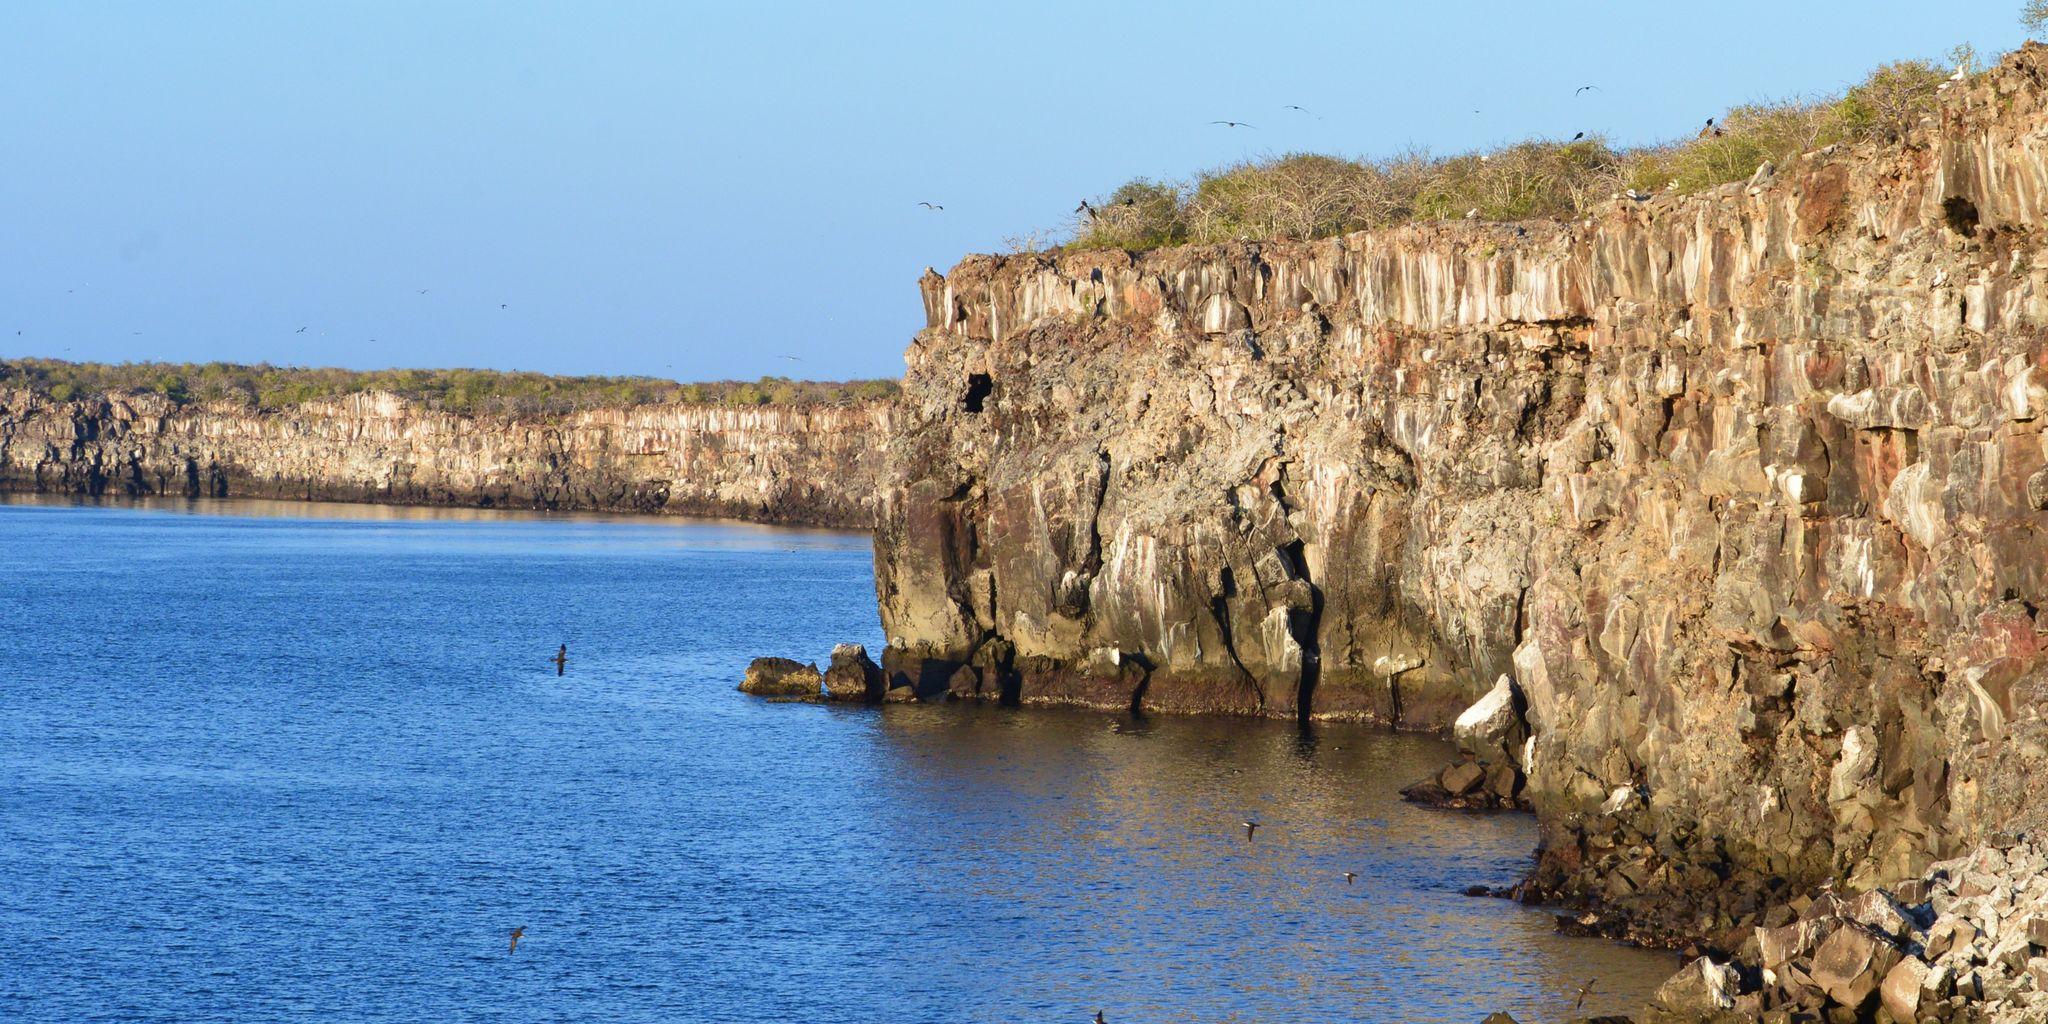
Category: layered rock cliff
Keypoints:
(813, 465)
(1745, 490)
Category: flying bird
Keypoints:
(1249, 828)
(423, 291)
(793, 359)
(1584, 991)
(1583, 88)
(1235, 124)
(1350, 877)
(561, 659)
(931, 206)
(1304, 110)
(301, 330)
(516, 933)
(502, 305)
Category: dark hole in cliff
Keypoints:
(979, 385)
(1960, 214)
(1304, 625)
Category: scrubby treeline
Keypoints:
(1305, 195)
(464, 391)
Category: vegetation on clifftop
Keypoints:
(508, 393)
(1307, 195)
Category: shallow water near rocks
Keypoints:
(260, 761)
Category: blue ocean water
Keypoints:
(267, 762)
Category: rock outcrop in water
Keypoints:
(812, 465)
(1746, 491)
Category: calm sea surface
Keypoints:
(265, 762)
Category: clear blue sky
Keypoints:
(696, 191)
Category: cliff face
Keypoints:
(794, 465)
(1744, 490)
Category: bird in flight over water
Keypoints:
(1584, 990)
(1249, 828)
(1235, 124)
(931, 206)
(1350, 877)
(516, 933)
(561, 659)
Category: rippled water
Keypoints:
(267, 762)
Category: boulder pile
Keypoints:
(1488, 774)
(1968, 942)
(852, 677)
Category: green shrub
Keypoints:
(461, 390)
(1306, 195)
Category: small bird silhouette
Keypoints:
(1584, 991)
(423, 291)
(1583, 88)
(1304, 110)
(1350, 877)
(301, 330)
(793, 359)
(1711, 129)
(1100, 1019)
(516, 933)
(561, 659)
(1086, 208)
(1579, 136)
(1249, 828)
(931, 206)
(502, 305)
(1235, 124)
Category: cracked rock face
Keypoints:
(1743, 490)
(800, 465)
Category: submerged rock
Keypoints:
(781, 677)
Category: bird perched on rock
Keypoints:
(1711, 131)
(1249, 828)
(516, 933)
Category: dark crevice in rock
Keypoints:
(1960, 215)
(979, 387)
(1305, 625)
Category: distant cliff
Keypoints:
(812, 464)
(1747, 491)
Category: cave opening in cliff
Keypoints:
(1304, 624)
(979, 385)
(1960, 215)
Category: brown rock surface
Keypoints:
(773, 464)
(1740, 489)
(781, 677)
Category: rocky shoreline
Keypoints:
(809, 465)
(1745, 492)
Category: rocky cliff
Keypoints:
(1744, 490)
(814, 465)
